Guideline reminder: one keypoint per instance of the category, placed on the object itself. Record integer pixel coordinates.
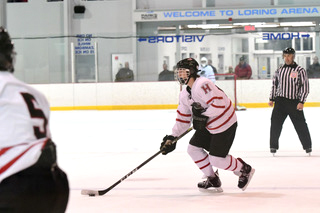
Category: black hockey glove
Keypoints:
(199, 120)
(167, 145)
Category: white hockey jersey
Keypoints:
(24, 129)
(207, 72)
(218, 107)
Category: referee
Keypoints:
(290, 88)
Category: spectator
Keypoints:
(243, 70)
(210, 64)
(125, 74)
(314, 68)
(230, 71)
(206, 70)
(166, 75)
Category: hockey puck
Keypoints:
(92, 195)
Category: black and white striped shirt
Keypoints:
(290, 81)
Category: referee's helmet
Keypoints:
(289, 50)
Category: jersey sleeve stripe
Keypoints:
(223, 122)
(216, 106)
(10, 163)
(186, 115)
(214, 98)
(222, 114)
(182, 121)
(4, 150)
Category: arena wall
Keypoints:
(152, 95)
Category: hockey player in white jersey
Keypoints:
(206, 70)
(214, 119)
(30, 180)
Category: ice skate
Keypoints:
(212, 184)
(246, 174)
(308, 151)
(273, 151)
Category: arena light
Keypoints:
(203, 26)
(249, 23)
(275, 24)
(257, 24)
(225, 26)
(266, 25)
(297, 24)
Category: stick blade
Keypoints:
(90, 192)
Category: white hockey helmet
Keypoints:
(203, 61)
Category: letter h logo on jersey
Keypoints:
(206, 88)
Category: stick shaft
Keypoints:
(102, 192)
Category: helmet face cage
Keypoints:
(186, 68)
(182, 75)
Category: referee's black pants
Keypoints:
(282, 108)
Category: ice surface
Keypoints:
(97, 148)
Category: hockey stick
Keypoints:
(102, 192)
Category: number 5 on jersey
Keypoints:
(36, 113)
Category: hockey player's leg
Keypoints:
(277, 119)
(237, 165)
(301, 127)
(201, 159)
(29, 192)
(61, 184)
